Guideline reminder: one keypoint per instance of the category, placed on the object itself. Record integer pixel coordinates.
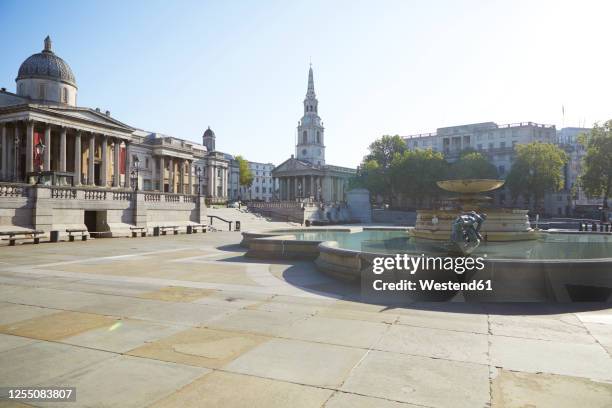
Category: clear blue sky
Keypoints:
(381, 67)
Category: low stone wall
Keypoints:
(58, 208)
(16, 206)
(394, 217)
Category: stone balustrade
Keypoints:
(13, 190)
(64, 193)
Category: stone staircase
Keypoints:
(249, 221)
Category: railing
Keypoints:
(219, 218)
(156, 197)
(95, 195)
(122, 195)
(13, 190)
(64, 193)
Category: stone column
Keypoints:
(162, 170)
(104, 170)
(128, 164)
(3, 170)
(47, 155)
(29, 148)
(213, 184)
(10, 152)
(190, 176)
(62, 158)
(116, 167)
(182, 176)
(77, 159)
(171, 175)
(295, 187)
(91, 173)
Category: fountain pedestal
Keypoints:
(502, 224)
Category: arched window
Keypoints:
(318, 136)
(42, 91)
(304, 137)
(65, 95)
(20, 92)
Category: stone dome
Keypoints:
(209, 133)
(46, 65)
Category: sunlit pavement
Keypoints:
(187, 321)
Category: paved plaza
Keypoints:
(188, 321)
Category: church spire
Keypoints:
(310, 93)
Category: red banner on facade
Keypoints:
(38, 160)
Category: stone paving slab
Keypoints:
(43, 361)
(346, 400)
(228, 390)
(56, 326)
(11, 313)
(466, 322)
(122, 335)
(533, 356)
(420, 380)
(341, 332)
(513, 389)
(125, 381)
(200, 347)
(256, 322)
(8, 342)
(445, 344)
(567, 328)
(301, 362)
(176, 294)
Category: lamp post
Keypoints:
(40, 151)
(199, 174)
(134, 173)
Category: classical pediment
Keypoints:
(88, 115)
(294, 166)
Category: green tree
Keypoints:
(537, 169)
(245, 175)
(472, 165)
(596, 179)
(415, 173)
(374, 172)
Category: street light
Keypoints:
(134, 173)
(40, 151)
(199, 174)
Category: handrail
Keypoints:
(222, 219)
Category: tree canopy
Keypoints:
(537, 169)
(415, 173)
(596, 178)
(472, 165)
(245, 174)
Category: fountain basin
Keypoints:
(556, 266)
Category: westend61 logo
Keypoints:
(394, 266)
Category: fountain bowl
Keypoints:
(470, 186)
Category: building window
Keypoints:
(147, 162)
(42, 91)
(479, 146)
(502, 144)
(65, 95)
(21, 92)
(304, 137)
(491, 145)
(318, 137)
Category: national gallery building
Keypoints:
(86, 160)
